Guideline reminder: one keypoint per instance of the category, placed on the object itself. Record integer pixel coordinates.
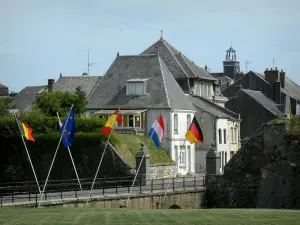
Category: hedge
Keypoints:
(86, 150)
(43, 124)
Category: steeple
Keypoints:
(231, 67)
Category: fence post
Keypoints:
(183, 180)
(151, 185)
(173, 184)
(195, 183)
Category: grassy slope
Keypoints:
(129, 145)
(142, 216)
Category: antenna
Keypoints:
(247, 62)
(89, 64)
(273, 63)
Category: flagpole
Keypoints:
(72, 160)
(136, 173)
(102, 158)
(62, 133)
(28, 154)
(171, 178)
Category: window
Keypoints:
(231, 131)
(125, 120)
(225, 158)
(176, 123)
(182, 155)
(130, 121)
(220, 136)
(137, 121)
(188, 121)
(235, 135)
(136, 87)
(225, 141)
(189, 156)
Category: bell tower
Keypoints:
(231, 66)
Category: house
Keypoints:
(3, 91)
(142, 87)
(255, 109)
(277, 91)
(25, 99)
(220, 127)
(192, 78)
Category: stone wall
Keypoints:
(184, 199)
(160, 171)
(263, 174)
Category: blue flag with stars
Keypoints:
(69, 132)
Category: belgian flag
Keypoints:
(194, 134)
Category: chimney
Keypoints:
(50, 85)
(237, 76)
(271, 75)
(277, 92)
(282, 79)
(60, 75)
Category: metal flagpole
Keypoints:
(101, 159)
(136, 173)
(28, 153)
(55, 154)
(171, 178)
(72, 160)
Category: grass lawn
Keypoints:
(144, 217)
(129, 145)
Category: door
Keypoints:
(137, 121)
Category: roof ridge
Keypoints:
(163, 78)
(167, 45)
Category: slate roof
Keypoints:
(70, 83)
(264, 101)
(221, 76)
(212, 108)
(180, 66)
(3, 86)
(162, 89)
(26, 97)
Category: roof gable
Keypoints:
(179, 65)
(26, 97)
(213, 108)
(70, 83)
(162, 89)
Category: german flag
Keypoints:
(194, 134)
(27, 132)
(116, 117)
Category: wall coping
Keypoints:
(163, 164)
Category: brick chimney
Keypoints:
(277, 92)
(271, 75)
(282, 79)
(50, 85)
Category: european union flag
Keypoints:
(69, 132)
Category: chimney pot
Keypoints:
(266, 69)
(276, 68)
(60, 75)
(281, 71)
(50, 85)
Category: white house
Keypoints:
(143, 87)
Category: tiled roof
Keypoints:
(162, 89)
(264, 101)
(70, 83)
(180, 66)
(3, 86)
(212, 108)
(26, 97)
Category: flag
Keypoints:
(157, 131)
(116, 117)
(194, 134)
(27, 132)
(69, 132)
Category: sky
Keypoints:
(39, 39)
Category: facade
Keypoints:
(220, 127)
(142, 87)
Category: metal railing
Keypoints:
(28, 193)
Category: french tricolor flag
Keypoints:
(157, 131)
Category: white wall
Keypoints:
(221, 146)
(173, 140)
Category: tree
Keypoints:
(4, 107)
(13, 94)
(51, 102)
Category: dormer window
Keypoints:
(136, 86)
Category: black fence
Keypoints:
(27, 192)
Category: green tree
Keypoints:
(4, 107)
(51, 102)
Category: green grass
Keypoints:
(16, 216)
(129, 145)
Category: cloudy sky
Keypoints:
(40, 39)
